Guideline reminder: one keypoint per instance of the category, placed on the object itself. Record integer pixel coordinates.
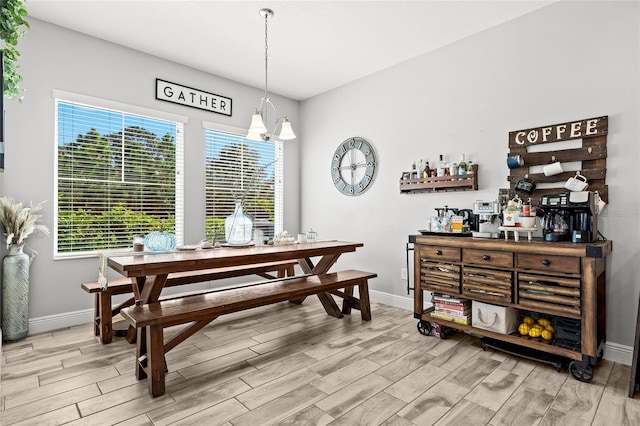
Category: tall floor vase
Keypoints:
(15, 294)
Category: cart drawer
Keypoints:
(450, 254)
(440, 277)
(487, 258)
(487, 284)
(542, 262)
(553, 295)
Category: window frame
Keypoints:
(278, 206)
(125, 109)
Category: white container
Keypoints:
(500, 319)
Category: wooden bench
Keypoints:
(104, 311)
(202, 308)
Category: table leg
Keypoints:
(346, 304)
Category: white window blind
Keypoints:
(238, 169)
(118, 174)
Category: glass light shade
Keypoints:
(286, 132)
(254, 137)
(257, 125)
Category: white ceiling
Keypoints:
(314, 46)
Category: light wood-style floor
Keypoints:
(289, 364)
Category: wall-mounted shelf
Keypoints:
(466, 182)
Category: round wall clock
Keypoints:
(353, 166)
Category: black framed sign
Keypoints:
(188, 96)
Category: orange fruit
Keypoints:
(524, 329)
(528, 320)
(546, 334)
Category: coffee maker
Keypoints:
(584, 219)
(570, 216)
(488, 218)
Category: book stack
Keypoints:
(451, 308)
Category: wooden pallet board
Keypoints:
(592, 155)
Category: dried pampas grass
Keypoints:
(19, 222)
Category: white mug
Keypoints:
(552, 169)
(576, 183)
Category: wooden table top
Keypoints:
(144, 264)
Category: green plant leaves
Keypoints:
(13, 25)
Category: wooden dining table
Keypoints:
(150, 270)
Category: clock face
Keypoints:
(353, 166)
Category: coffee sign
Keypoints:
(559, 132)
(188, 96)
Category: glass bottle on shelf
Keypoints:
(470, 169)
(427, 171)
(462, 166)
(453, 170)
(441, 170)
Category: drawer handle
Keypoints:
(546, 262)
(438, 252)
(486, 257)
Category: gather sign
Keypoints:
(188, 96)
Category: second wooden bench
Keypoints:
(104, 311)
(200, 309)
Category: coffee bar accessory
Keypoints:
(488, 219)
(577, 183)
(570, 216)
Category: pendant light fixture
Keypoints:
(258, 131)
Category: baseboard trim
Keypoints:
(59, 321)
(391, 300)
(612, 351)
(618, 353)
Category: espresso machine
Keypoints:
(488, 217)
(570, 216)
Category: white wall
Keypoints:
(56, 58)
(568, 61)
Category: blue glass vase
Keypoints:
(160, 241)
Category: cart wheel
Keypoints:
(581, 372)
(424, 327)
(444, 332)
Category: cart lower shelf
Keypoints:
(524, 352)
(580, 366)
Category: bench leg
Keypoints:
(96, 315)
(365, 305)
(104, 316)
(141, 354)
(155, 360)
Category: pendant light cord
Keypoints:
(266, 54)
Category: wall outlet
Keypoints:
(403, 273)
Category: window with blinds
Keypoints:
(240, 170)
(118, 174)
